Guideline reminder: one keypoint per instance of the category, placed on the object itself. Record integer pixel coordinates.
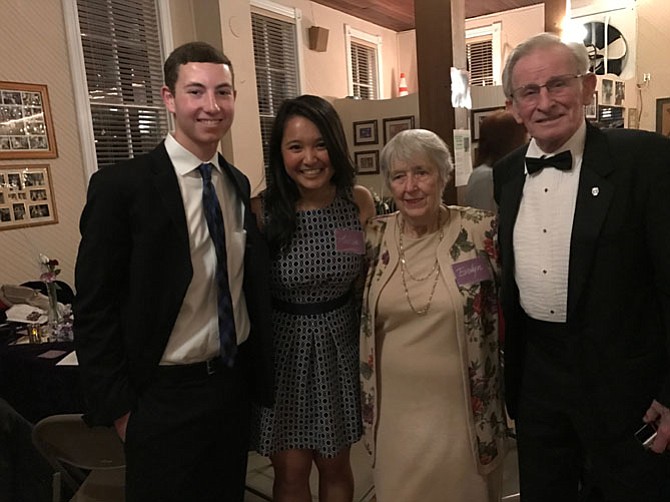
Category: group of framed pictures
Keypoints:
(613, 92)
(26, 132)
(367, 134)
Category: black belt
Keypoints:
(311, 308)
(195, 370)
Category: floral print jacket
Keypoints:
(469, 234)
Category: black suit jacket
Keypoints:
(132, 272)
(619, 275)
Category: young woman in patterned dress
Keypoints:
(313, 217)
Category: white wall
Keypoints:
(652, 57)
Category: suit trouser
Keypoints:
(188, 438)
(563, 456)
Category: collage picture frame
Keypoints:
(26, 127)
(26, 196)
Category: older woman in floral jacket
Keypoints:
(430, 369)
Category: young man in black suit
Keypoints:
(172, 311)
(583, 238)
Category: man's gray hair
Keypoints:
(407, 144)
(543, 41)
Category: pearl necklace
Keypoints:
(405, 270)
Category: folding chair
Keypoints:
(89, 460)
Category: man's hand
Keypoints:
(659, 415)
(121, 423)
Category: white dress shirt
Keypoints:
(542, 233)
(195, 336)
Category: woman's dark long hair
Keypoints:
(282, 194)
(499, 134)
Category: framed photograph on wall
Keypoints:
(619, 93)
(663, 116)
(26, 196)
(607, 91)
(591, 111)
(394, 125)
(367, 162)
(476, 118)
(365, 132)
(26, 128)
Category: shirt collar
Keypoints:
(185, 162)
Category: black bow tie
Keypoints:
(562, 161)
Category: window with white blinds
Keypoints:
(363, 64)
(276, 62)
(120, 40)
(363, 70)
(480, 62)
(483, 50)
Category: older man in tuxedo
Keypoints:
(172, 309)
(586, 288)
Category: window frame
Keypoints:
(491, 32)
(79, 82)
(351, 33)
(292, 15)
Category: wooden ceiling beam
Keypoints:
(398, 15)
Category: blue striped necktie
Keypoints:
(212, 209)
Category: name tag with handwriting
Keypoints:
(472, 271)
(349, 241)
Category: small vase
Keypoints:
(53, 314)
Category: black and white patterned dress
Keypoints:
(317, 403)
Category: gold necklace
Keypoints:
(404, 269)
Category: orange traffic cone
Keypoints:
(402, 87)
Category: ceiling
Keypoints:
(398, 15)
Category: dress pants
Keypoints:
(562, 456)
(188, 439)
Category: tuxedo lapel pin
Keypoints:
(595, 191)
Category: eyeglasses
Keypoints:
(555, 86)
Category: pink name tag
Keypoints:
(471, 271)
(349, 241)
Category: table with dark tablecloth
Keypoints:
(36, 387)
